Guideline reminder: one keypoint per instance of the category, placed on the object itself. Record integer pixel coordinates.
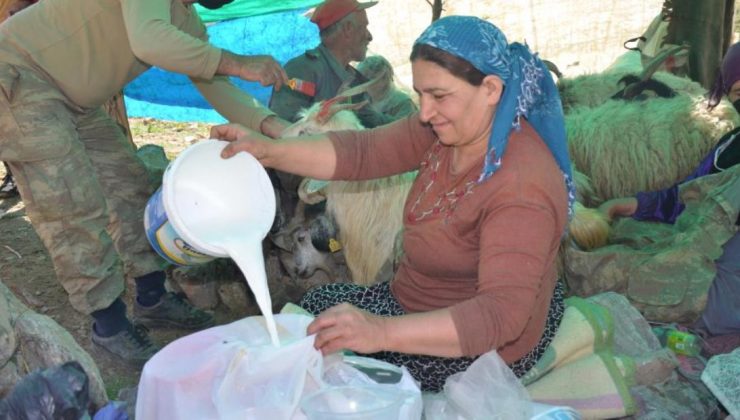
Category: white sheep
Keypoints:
(638, 145)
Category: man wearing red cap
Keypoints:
(344, 38)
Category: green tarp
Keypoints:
(246, 8)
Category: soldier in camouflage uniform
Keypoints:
(7, 9)
(84, 189)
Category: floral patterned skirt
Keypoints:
(430, 371)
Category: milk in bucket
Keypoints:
(215, 207)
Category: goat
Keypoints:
(368, 214)
(306, 245)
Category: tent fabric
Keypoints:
(246, 8)
(169, 96)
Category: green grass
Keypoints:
(114, 384)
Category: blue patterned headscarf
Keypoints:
(529, 89)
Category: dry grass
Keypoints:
(173, 136)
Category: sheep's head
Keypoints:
(635, 85)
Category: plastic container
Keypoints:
(353, 403)
(683, 343)
(205, 198)
(679, 342)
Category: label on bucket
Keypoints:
(163, 237)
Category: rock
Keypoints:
(234, 296)
(8, 342)
(200, 291)
(44, 344)
(656, 367)
(9, 376)
(32, 298)
(155, 160)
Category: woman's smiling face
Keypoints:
(458, 112)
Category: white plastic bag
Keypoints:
(488, 389)
(366, 372)
(231, 371)
(234, 372)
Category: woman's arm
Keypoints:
(347, 327)
(346, 155)
(311, 156)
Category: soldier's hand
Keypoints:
(263, 69)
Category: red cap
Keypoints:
(331, 11)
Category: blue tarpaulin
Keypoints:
(169, 96)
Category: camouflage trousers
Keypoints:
(83, 187)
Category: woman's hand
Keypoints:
(242, 140)
(619, 207)
(347, 327)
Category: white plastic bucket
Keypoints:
(206, 200)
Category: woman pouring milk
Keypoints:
(482, 222)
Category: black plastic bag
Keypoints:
(60, 392)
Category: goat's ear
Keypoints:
(311, 191)
(281, 241)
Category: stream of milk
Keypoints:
(228, 205)
(246, 251)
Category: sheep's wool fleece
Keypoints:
(625, 147)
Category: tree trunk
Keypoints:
(436, 9)
(707, 27)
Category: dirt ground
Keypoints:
(25, 266)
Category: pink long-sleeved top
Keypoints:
(486, 251)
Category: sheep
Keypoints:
(638, 145)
